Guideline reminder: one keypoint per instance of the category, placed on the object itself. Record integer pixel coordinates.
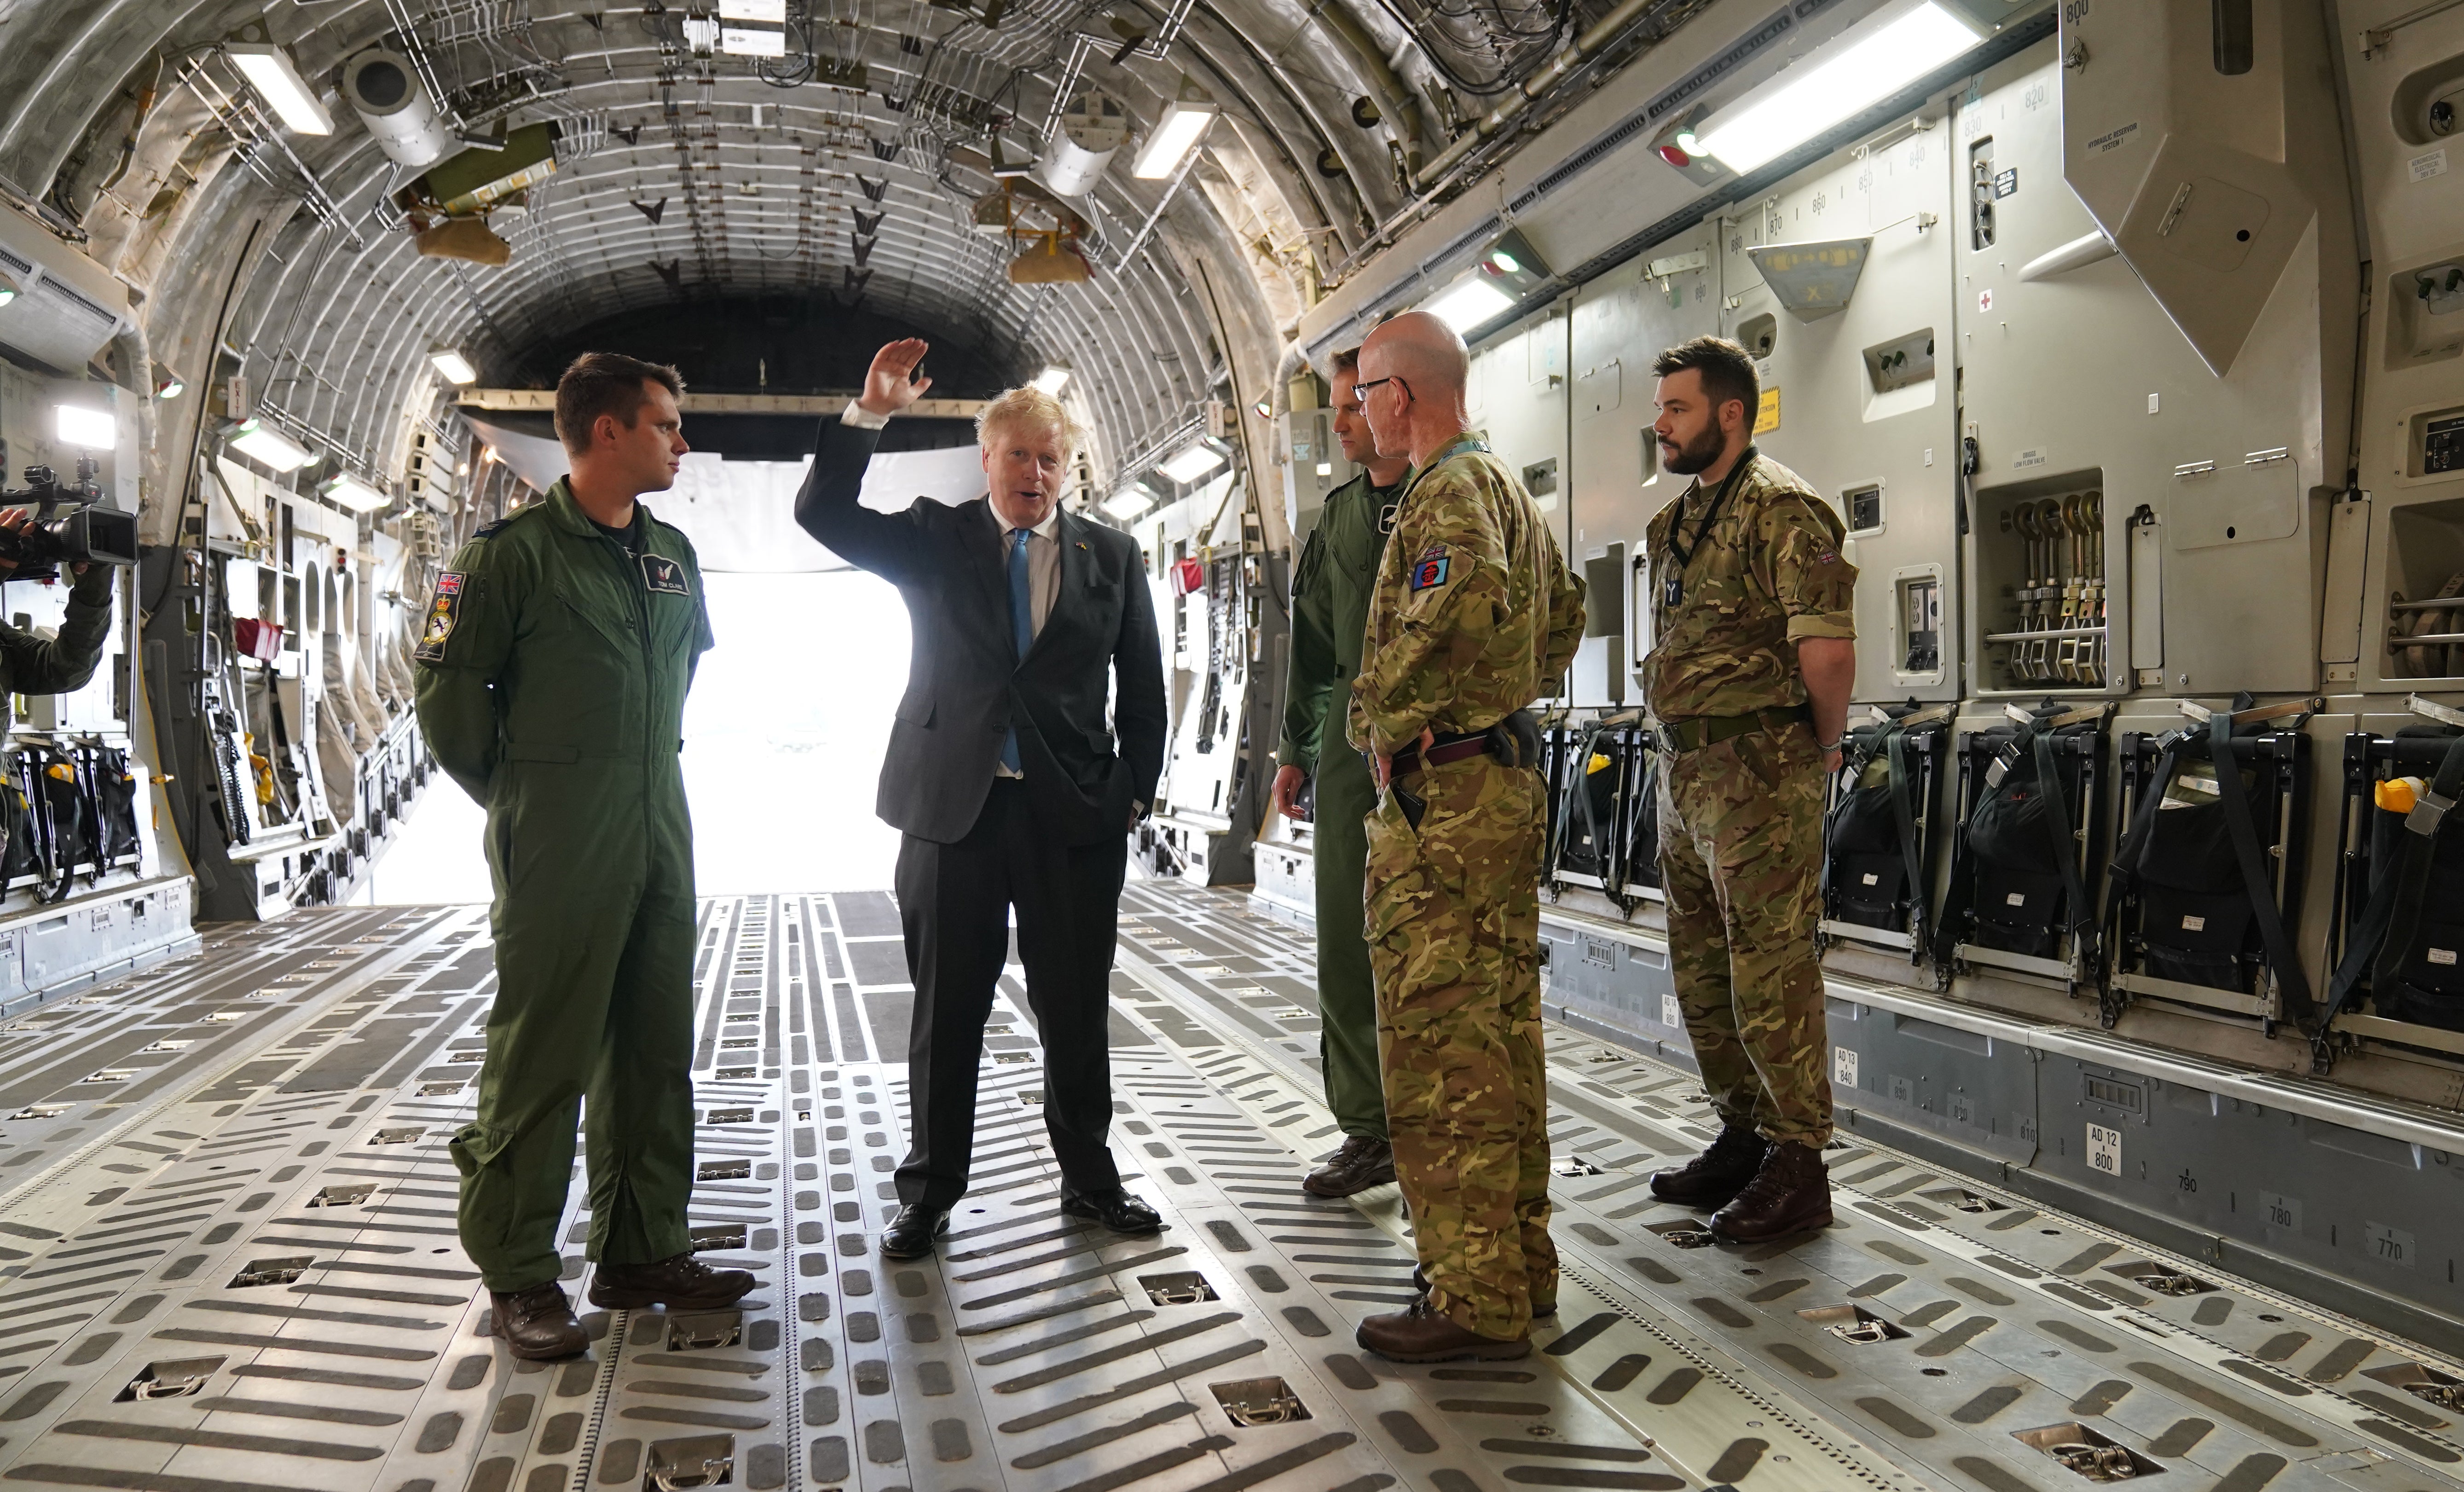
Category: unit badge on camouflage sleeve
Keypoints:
(1429, 571)
(442, 609)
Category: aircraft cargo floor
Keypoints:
(227, 1260)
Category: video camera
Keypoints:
(69, 525)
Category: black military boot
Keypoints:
(1790, 1193)
(682, 1283)
(1364, 1161)
(537, 1323)
(1714, 1177)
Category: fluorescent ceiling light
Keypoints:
(456, 368)
(1863, 67)
(1127, 503)
(1193, 462)
(770, 12)
(752, 41)
(1176, 134)
(1053, 380)
(91, 429)
(7, 288)
(268, 70)
(1469, 304)
(355, 495)
(267, 445)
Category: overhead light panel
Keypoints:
(1053, 380)
(1184, 122)
(456, 368)
(168, 384)
(1468, 303)
(355, 495)
(268, 446)
(1866, 64)
(1129, 503)
(88, 429)
(277, 79)
(1192, 462)
(8, 287)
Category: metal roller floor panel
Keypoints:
(227, 1260)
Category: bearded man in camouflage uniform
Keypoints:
(1474, 617)
(1754, 658)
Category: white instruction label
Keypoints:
(2015, 899)
(1871, 879)
(1843, 1066)
(1671, 1013)
(2104, 1149)
(2194, 924)
(2422, 168)
(2442, 956)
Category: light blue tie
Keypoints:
(1022, 626)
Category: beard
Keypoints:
(1696, 454)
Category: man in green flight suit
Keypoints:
(553, 665)
(1474, 617)
(1331, 590)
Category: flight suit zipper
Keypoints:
(631, 563)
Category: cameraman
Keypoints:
(31, 664)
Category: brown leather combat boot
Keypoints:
(1364, 1161)
(680, 1283)
(1425, 1334)
(537, 1323)
(1790, 1193)
(1714, 1177)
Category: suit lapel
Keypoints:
(1075, 561)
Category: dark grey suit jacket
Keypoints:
(966, 685)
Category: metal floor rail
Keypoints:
(227, 1260)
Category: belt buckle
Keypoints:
(2429, 812)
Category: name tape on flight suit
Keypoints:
(664, 576)
(442, 608)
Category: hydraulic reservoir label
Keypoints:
(1843, 1066)
(2103, 1149)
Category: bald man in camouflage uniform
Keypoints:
(1474, 617)
(1754, 615)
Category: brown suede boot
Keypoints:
(1364, 1161)
(1790, 1193)
(1425, 1334)
(1714, 1177)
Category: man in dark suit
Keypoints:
(1003, 776)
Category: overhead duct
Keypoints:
(1095, 126)
(383, 88)
(66, 308)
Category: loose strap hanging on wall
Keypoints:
(2290, 982)
(2066, 849)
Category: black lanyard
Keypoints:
(1672, 590)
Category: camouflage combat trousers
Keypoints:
(1453, 922)
(1740, 863)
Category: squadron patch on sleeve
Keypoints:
(1430, 570)
(664, 576)
(442, 610)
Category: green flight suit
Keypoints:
(1331, 591)
(552, 672)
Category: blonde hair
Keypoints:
(1029, 406)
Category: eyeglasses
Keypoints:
(1361, 391)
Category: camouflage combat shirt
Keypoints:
(1769, 573)
(1475, 614)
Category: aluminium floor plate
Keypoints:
(227, 1260)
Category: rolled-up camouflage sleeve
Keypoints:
(1441, 589)
(1799, 560)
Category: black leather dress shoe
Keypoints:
(911, 1234)
(680, 1283)
(537, 1323)
(1116, 1210)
